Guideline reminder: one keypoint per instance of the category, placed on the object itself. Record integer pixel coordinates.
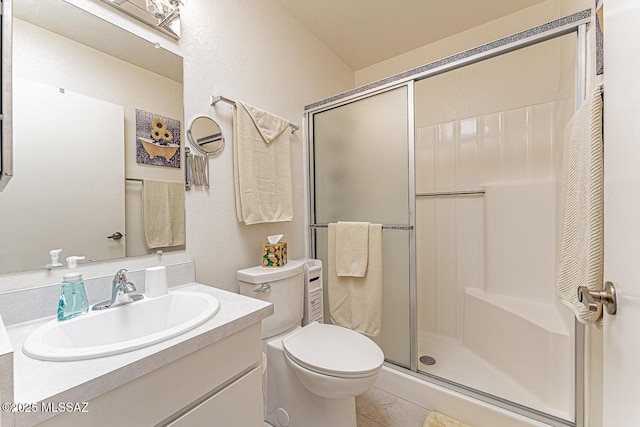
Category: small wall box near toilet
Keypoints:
(313, 299)
(313, 372)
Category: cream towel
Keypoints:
(356, 302)
(352, 248)
(581, 232)
(163, 210)
(436, 419)
(262, 166)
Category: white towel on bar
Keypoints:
(352, 248)
(356, 302)
(582, 232)
(262, 166)
(163, 212)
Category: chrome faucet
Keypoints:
(121, 290)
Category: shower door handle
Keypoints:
(607, 297)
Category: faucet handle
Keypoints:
(120, 276)
(130, 287)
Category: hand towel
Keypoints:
(356, 302)
(580, 262)
(262, 166)
(163, 211)
(352, 248)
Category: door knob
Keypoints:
(607, 297)
(115, 236)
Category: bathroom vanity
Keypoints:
(210, 375)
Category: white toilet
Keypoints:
(313, 372)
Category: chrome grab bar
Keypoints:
(265, 287)
(607, 297)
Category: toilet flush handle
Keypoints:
(265, 287)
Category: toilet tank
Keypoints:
(283, 287)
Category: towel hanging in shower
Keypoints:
(352, 248)
(356, 302)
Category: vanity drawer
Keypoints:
(238, 404)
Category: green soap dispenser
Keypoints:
(73, 298)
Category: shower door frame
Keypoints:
(575, 23)
(410, 227)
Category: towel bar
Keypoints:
(384, 227)
(451, 193)
(216, 99)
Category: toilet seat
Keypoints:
(333, 350)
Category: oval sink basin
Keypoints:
(121, 329)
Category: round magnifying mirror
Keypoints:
(206, 136)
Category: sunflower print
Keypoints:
(166, 135)
(158, 124)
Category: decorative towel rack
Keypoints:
(384, 226)
(216, 99)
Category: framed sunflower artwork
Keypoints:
(157, 140)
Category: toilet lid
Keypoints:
(333, 350)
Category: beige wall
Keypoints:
(510, 24)
(254, 51)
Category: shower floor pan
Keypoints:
(493, 358)
(455, 362)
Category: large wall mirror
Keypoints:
(84, 92)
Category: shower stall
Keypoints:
(460, 160)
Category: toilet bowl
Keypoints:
(331, 361)
(313, 372)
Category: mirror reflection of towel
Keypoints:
(163, 212)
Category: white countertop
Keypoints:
(80, 381)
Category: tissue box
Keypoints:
(274, 254)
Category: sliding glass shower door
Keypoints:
(464, 168)
(360, 172)
(489, 140)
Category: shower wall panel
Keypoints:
(509, 147)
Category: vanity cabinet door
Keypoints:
(238, 404)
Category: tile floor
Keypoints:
(377, 408)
